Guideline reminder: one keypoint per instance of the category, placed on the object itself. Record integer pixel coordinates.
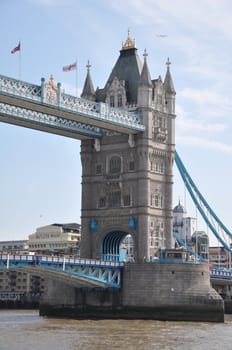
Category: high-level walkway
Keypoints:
(45, 107)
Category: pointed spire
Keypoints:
(168, 83)
(88, 90)
(145, 77)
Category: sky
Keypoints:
(40, 177)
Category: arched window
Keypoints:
(115, 165)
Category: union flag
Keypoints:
(16, 48)
(70, 67)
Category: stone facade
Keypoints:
(127, 182)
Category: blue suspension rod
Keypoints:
(191, 188)
(202, 199)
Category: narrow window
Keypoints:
(131, 165)
(119, 100)
(98, 169)
(115, 165)
(111, 101)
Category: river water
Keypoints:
(24, 330)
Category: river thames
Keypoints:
(25, 329)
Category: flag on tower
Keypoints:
(16, 48)
(70, 67)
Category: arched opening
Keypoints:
(118, 246)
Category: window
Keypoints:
(115, 165)
(98, 169)
(161, 167)
(102, 202)
(111, 101)
(115, 199)
(126, 200)
(131, 165)
(119, 100)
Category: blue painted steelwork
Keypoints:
(189, 249)
(107, 272)
(111, 245)
(112, 117)
(225, 275)
(211, 219)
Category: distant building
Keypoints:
(17, 246)
(183, 226)
(200, 244)
(20, 287)
(56, 239)
(219, 257)
(186, 229)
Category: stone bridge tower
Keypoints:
(127, 182)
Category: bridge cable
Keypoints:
(202, 204)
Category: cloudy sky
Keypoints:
(40, 178)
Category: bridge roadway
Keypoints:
(48, 109)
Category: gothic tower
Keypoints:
(127, 182)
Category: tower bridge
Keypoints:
(127, 133)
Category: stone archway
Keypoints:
(111, 246)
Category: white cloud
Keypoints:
(204, 143)
(201, 97)
(184, 125)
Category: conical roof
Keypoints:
(145, 78)
(88, 89)
(128, 68)
(168, 83)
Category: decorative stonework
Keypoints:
(51, 91)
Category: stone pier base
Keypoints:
(180, 292)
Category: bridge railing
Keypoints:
(221, 274)
(40, 260)
(20, 88)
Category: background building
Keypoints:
(185, 228)
(219, 257)
(16, 247)
(56, 239)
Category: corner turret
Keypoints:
(88, 90)
(169, 90)
(145, 85)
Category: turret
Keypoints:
(145, 85)
(88, 90)
(169, 90)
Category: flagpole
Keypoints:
(20, 62)
(76, 80)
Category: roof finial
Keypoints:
(145, 54)
(168, 63)
(88, 66)
(129, 43)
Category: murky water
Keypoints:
(24, 330)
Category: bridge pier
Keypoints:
(160, 291)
